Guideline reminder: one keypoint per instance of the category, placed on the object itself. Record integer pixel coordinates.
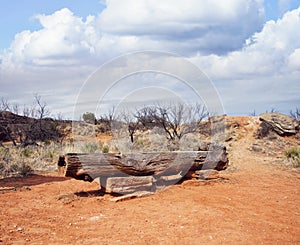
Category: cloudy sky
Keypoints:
(250, 49)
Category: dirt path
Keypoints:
(255, 202)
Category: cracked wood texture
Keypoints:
(87, 167)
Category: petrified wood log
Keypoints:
(124, 185)
(87, 167)
(207, 174)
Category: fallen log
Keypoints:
(87, 167)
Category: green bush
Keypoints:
(89, 117)
(105, 149)
(27, 152)
(293, 154)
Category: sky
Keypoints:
(249, 50)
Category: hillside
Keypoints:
(256, 200)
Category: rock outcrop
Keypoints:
(280, 123)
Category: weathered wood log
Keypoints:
(90, 166)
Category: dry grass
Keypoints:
(293, 155)
(20, 161)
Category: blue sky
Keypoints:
(275, 9)
(250, 49)
(18, 15)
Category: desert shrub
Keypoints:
(47, 142)
(27, 152)
(293, 155)
(105, 149)
(25, 169)
(190, 142)
(2, 166)
(84, 129)
(19, 161)
(48, 153)
(89, 117)
(140, 142)
(295, 114)
(13, 168)
(90, 147)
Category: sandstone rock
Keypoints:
(131, 196)
(171, 178)
(130, 184)
(204, 174)
(280, 123)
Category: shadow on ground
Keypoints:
(34, 179)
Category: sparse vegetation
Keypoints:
(90, 147)
(293, 155)
(24, 169)
(177, 120)
(19, 161)
(25, 130)
(105, 149)
(89, 117)
(35, 141)
(295, 114)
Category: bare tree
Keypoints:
(273, 110)
(15, 108)
(4, 105)
(177, 119)
(41, 128)
(42, 110)
(253, 114)
(295, 114)
(180, 119)
(147, 116)
(131, 122)
(59, 116)
(28, 130)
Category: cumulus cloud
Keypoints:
(63, 38)
(274, 50)
(227, 39)
(184, 27)
(265, 72)
(206, 25)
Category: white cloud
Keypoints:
(63, 36)
(205, 26)
(294, 60)
(227, 39)
(184, 27)
(272, 51)
(265, 73)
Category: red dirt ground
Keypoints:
(255, 202)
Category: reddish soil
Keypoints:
(255, 202)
